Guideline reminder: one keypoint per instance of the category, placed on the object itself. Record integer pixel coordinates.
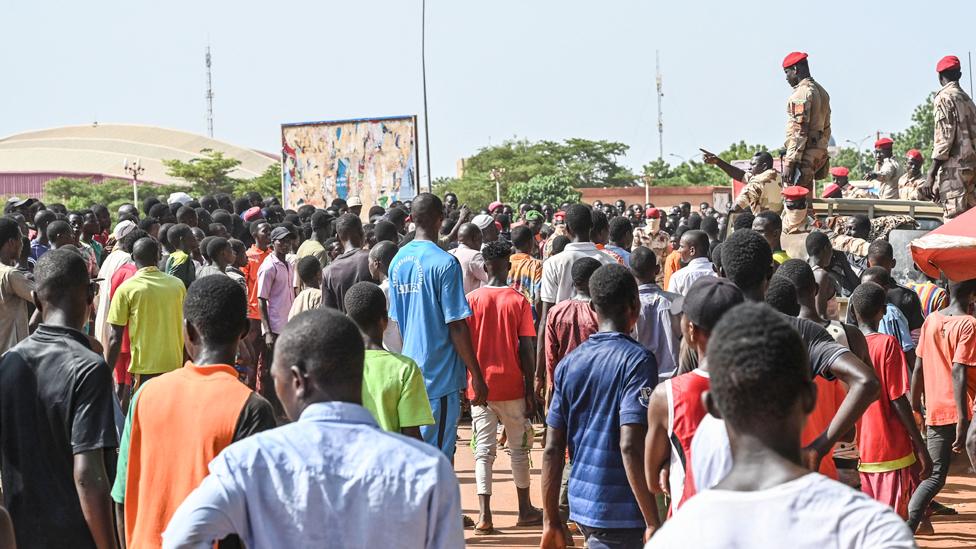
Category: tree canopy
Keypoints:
(209, 174)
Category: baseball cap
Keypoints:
(123, 228)
(252, 213)
(708, 299)
(354, 201)
(279, 233)
(483, 221)
(180, 197)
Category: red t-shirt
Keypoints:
(830, 394)
(882, 440)
(255, 257)
(500, 315)
(946, 340)
(684, 416)
(123, 273)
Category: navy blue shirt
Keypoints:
(600, 386)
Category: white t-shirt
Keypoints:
(711, 454)
(809, 512)
(557, 277)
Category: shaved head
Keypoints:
(145, 252)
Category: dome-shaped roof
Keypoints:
(101, 149)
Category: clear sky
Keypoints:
(538, 69)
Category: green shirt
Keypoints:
(180, 265)
(151, 305)
(394, 391)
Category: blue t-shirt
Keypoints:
(895, 324)
(599, 386)
(426, 294)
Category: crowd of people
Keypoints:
(188, 372)
(207, 370)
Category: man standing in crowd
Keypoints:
(770, 226)
(380, 257)
(258, 252)
(40, 245)
(178, 423)
(427, 301)
(468, 254)
(315, 246)
(887, 172)
(180, 263)
(621, 238)
(952, 177)
(502, 334)
(599, 408)
(57, 425)
(694, 248)
(150, 304)
(332, 477)
(760, 384)
(943, 374)
(654, 328)
(526, 271)
(275, 296)
(807, 126)
(350, 267)
(15, 287)
(652, 236)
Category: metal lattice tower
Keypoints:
(209, 96)
(660, 117)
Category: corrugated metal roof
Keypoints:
(101, 149)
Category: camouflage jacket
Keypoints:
(762, 192)
(955, 131)
(808, 120)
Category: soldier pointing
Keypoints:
(807, 126)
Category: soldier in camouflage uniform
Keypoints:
(911, 186)
(953, 174)
(839, 176)
(763, 183)
(652, 236)
(807, 126)
(887, 171)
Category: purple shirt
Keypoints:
(274, 284)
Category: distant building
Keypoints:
(28, 160)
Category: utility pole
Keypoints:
(660, 118)
(423, 71)
(209, 96)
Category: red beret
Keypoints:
(914, 154)
(839, 171)
(559, 215)
(795, 192)
(947, 62)
(652, 212)
(883, 142)
(793, 59)
(830, 189)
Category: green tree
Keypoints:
(78, 194)
(475, 191)
(693, 172)
(543, 189)
(920, 135)
(209, 174)
(268, 183)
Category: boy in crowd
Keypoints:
(568, 324)
(468, 254)
(760, 384)
(502, 334)
(427, 301)
(694, 249)
(621, 238)
(676, 407)
(525, 274)
(599, 405)
(221, 255)
(380, 257)
(57, 427)
(180, 263)
(393, 386)
(331, 477)
(654, 328)
(178, 423)
(888, 439)
(894, 322)
(944, 373)
(260, 232)
(234, 270)
(310, 273)
(350, 267)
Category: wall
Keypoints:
(660, 196)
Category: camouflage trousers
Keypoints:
(955, 189)
(813, 165)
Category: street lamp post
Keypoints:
(647, 188)
(135, 169)
(496, 176)
(857, 149)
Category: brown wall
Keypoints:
(660, 196)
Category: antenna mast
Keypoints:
(210, 95)
(660, 118)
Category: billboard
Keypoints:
(373, 158)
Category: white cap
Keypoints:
(483, 221)
(123, 228)
(180, 197)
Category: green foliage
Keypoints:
(208, 175)
(573, 163)
(79, 194)
(693, 172)
(920, 135)
(268, 183)
(543, 189)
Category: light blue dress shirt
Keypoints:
(654, 330)
(331, 479)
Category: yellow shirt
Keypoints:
(780, 257)
(151, 305)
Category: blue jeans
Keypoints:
(443, 433)
(613, 538)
